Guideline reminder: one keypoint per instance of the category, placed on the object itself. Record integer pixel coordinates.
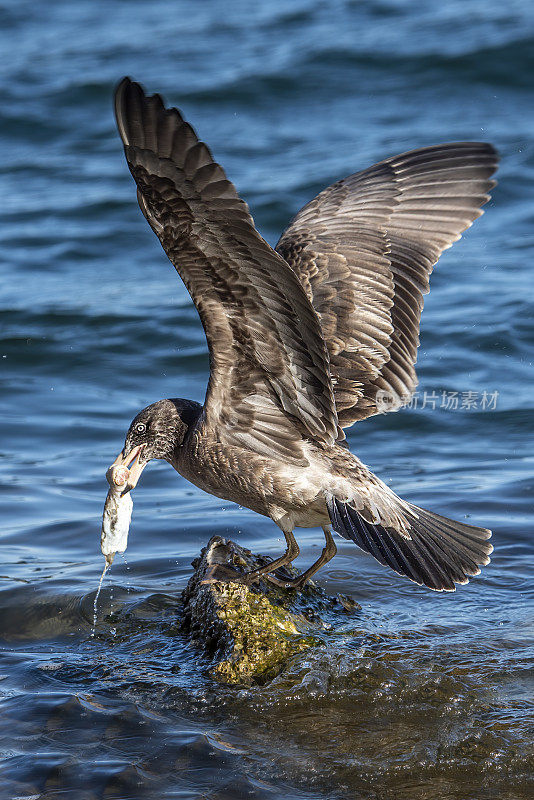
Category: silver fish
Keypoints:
(117, 514)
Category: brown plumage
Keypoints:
(364, 249)
(302, 338)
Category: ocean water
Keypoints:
(424, 695)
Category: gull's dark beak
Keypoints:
(136, 468)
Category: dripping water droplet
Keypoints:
(127, 570)
(97, 595)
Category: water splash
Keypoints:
(97, 595)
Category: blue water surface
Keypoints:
(96, 325)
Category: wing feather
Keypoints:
(364, 249)
(264, 336)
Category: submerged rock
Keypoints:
(250, 633)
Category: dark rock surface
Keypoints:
(250, 633)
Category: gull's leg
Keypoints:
(292, 551)
(327, 555)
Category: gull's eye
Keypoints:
(140, 427)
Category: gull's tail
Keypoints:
(435, 551)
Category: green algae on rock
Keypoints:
(249, 632)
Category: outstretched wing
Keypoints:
(364, 249)
(269, 377)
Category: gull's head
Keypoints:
(156, 432)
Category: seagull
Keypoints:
(304, 339)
